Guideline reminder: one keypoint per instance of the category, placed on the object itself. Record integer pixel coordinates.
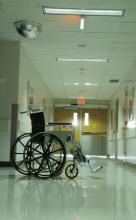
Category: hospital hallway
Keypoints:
(107, 194)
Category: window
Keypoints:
(75, 119)
(86, 119)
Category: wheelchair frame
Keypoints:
(38, 153)
(71, 170)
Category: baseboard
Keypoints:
(127, 164)
(5, 164)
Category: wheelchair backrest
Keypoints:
(37, 122)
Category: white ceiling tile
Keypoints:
(89, 4)
(104, 95)
(106, 78)
(122, 59)
(58, 3)
(126, 37)
(130, 16)
(117, 69)
(82, 53)
(128, 27)
(76, 37)
(106, 92)
(101, 26)
(119, 65)
(104, 37)
(90, 25)
(82, 45)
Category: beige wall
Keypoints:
(122, 143)
(16, 69)
(9, 69)
(28, 72)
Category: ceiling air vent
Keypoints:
(114, 81)
(81, 45)
(73, 104)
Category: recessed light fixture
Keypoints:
(28, 29)
(91, 84)
(81, 45)
(81, 69)
(113, 80)
(71, 83)
(82, 60)
(87, 84)
(91, 12)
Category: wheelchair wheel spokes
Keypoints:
(48, 141)
(46, 169)
(44, 154)
(71, 171)
(54, 157)
(16, 153)
(33, 156)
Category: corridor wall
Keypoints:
(121, 139)
(9, 76)
(16, 72)
(41, 97)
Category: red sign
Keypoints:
(81, 100)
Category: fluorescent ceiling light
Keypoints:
(82, 60)
(89, 97)
(71, 83)
(87, 84)
(75, 119)
(91, 84)
(82, 23)
(86, 97)
(97, 12)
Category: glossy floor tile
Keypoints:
(109, 194)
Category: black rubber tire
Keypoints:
(71, 171)
(17, 151)
(41, 152)
(55, 165)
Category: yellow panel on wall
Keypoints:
(66, 115)
(97, 120)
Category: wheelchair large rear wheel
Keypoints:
(17, 151)
(44, 155)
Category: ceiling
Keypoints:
(113, 38)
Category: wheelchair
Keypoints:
(39, 153)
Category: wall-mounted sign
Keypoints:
(81, 100)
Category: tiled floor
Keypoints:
(107, 195)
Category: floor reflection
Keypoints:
(107, 195)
